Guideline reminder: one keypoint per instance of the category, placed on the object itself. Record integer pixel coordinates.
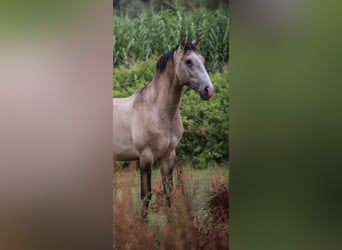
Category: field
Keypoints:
(198, 218)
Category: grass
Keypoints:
(198, 218)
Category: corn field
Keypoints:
(137, 39)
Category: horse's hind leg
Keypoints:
(146, 162)
(166, 169)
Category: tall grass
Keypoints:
(198, 218)
(153, 33)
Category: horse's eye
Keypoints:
(188, 62)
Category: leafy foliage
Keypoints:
(205, 139)
(129, 80)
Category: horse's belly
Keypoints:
(128, 155)
(124, 152)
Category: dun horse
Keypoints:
(147, 125)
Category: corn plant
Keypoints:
(153, 33)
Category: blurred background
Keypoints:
(56, 80)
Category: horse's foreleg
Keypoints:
(166, 169)
(146, 162)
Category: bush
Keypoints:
(205, 139)
(129, 80)
(206, 124)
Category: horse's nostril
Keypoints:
(208, 91)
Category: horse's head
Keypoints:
(190, 69)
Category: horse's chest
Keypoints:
(157, 133)
(166, 135)
(168, 140)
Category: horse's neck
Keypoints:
(169, 94)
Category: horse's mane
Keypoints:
(187, 47)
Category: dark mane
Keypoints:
(168, 56)
(187, 47)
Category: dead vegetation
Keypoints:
(198, 218)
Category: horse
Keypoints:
(147, 125)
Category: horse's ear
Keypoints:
(181, 45)
(183, 42)
(196, 41)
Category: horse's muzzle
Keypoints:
(207, 93)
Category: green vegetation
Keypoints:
(206, 124)
(134, 7)
(138, 39)
(141, 38)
